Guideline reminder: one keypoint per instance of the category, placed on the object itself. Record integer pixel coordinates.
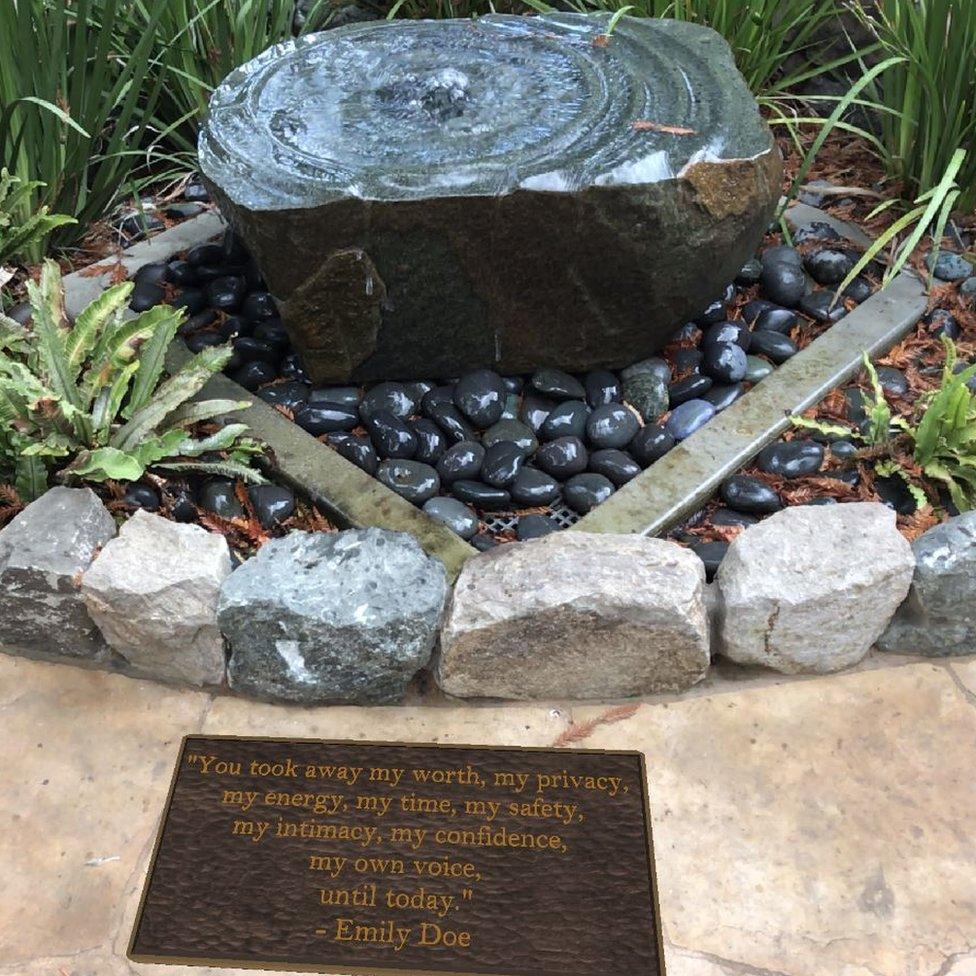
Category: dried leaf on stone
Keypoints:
(646, 125)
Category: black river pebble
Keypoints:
(558, 385)
(602, 387)
(326, 418)
(792, 459)
(480, 396)
(612, 425)
(567, 419)
(482, 496)
(413, 480)
(357, 449)
(724, 362)
(533, 487)
(583, 492)
(462, 461)
(773, 345)
(563, 457)
(614, 464)
(431, 442)
(503, 461)
(690, 388)
(272, 503)
(650, 443)
(391, 436)
(747, 494)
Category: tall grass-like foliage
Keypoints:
(73, 106)
(763, 34)
(199, 43)
(929, 94)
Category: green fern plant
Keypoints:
(18, 236)
(942, 445)
(88, 401)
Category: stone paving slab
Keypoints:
(808, 827)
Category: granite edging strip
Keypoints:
(690, 473)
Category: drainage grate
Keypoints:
(498, 522)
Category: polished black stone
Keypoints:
(482, 496)
(893, 381)
(272, 504)
(226, 293)
(776, 320)
(326, 418)
(534, 411)
(431, 441)
(650, 443)
(783, 283)
(534, 487)
(773, 345)
(611, 425)
(723, 333)
(218, 495)
(413, 480)
(567, 419)
(583, 492)
(146, 295)
(289, 395)
(820, 305)
(357, 449)
(724, 362)
(534, 527)
(450, 420)
(562, 458)
(391, 436)
(747, 494)
(558, 385)
(829, 266)
(480, 396)
(728, 516)
(258, 306)
(687, 417)
(141, 496)
(503, 461)
(463, 461)
(792, 459)
(614, 464)
(723, 395)
(602, 387)
(690, 388)
(711, 554)
(254, 374)
(749, 273)
(348, 396)
(393, 397)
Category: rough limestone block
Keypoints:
(426, 197)
(939, 616)
(348, 616)
(43, 553)
(811, 588)
(153, 593)
(575, 615)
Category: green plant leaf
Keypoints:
(172, 393)
(102, 464)
(152, 356)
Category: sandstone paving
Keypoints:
(807, 826)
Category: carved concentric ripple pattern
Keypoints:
(409, 109)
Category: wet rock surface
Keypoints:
(938, 617)
(413, 187)
(347, 616)
(153, 592)
(43, 552)
(524, 620)
(811, 588)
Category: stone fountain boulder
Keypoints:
(425, 197)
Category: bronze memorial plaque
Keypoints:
(366, 857)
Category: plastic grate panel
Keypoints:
(498, 522)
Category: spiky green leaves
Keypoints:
(93, 393)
